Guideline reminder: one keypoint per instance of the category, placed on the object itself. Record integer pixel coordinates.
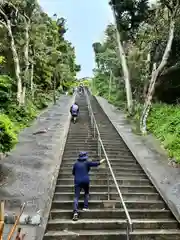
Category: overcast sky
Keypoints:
(86, 22)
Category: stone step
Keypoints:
(82, 128)
(140, 234)
(80, 148)
(117, 213)
(106, 219)
(86, 130)
(86, 141)
(107, 146)
(92, 154)
(118, 141)
(111, 159)
(108, 138)
(121, 181)
(104, 188)
(111, 204)
(101, 175)
(113, 196)
(80, 139)
(110, 224)
(115, 164)
(75, 154)
(103, 169)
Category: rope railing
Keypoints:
(102, 151)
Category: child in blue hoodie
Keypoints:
(80, 171)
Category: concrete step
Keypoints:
(109, 224)
(75, 154)
(116, 214)
(103, 175)
(121, 181)
(80, 148)
(69, 155)
(81, 137)
(103, 169)
(111, 159)
(111, 204)
(107, 146)
(106, 219)
(113, 196)
(140, 234)
(109, 142)
(86, 141)
(104, 188)
(119, 142)
(113, 163)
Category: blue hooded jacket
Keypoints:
(81, 169)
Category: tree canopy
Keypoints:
(36, 61)
(39, 44)
(149, 36)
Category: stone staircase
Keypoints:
(151, 218)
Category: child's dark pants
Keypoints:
(77, 189)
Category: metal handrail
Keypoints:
(101, 145)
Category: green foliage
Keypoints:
(8, 137)
(47, 62)
(22, 114)
(164, 123)
(6, 84)
(144, 39)
(129, 15)
(108, 66)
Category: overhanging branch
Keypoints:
(3, 24)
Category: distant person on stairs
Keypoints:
(74, 110)
(80, 171)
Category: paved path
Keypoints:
(29, 172)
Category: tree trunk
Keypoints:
(26, 52)
(54, 89)
(154, 77)
(23, 95)
(16, 62)
(146, 85)
(31, 80)
(125, 69)
(110, 83)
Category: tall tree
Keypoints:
(37, 47)
(9, 15)
(173, 10)
(128, 16)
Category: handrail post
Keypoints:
(127, 230)
(99, 148)
(91, 121)
(108, 183)
(94, 131)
